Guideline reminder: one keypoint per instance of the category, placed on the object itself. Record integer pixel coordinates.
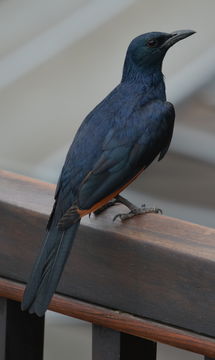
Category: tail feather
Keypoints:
(48, 269)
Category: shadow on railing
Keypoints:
(151, 279)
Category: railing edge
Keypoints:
(119, 321)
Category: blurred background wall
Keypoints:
(59, 58)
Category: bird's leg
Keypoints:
(106, 206)
(134, 210)
(118, 199)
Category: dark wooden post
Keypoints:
(113, 345)
(21, 334)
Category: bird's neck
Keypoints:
(148, 79)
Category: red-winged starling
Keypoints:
(114, 144)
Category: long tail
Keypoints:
(48, 269)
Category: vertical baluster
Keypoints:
(113, 345)
(21, 334)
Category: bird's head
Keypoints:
(149, 49)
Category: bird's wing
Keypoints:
(127, 150)
(103, 161)
(81, 157)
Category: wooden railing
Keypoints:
(148, 280)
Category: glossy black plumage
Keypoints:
(120, 137)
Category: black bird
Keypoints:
(114, 144)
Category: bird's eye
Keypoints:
(152, 43)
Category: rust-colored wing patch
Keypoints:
(73, 214)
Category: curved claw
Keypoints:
(126, 216)
(116, 216)
(123, 216)
(137, 211)
(158, 211)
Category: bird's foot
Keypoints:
(106, 206)
(134, 210)
(137, 211)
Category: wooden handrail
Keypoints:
(152, 277)
(119, 321)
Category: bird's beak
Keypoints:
(176, 36)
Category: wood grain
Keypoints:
(151, 266)
(119, 321)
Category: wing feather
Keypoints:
(128, 150)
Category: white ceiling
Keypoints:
(31, 43)
(21, 20)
